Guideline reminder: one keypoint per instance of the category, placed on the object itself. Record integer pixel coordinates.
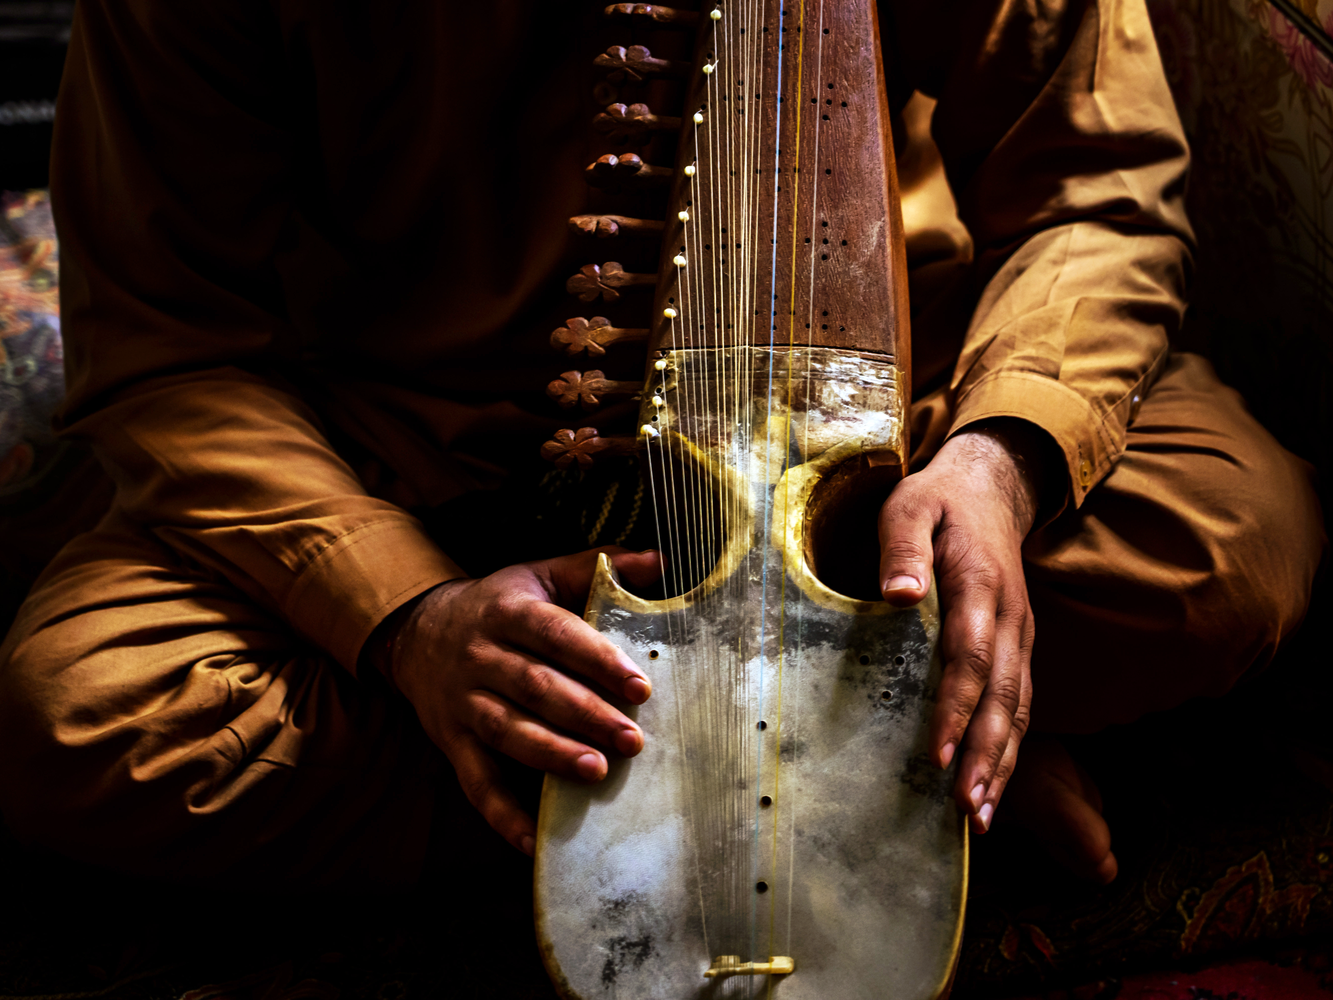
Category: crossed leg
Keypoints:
(155, 720)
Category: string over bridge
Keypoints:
(731, 965)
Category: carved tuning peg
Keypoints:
(607, 226)
(584, 445)
(667, 17)
(627, 170)
(635, 63)
(606, 281)
(632, 123)
(585, 389)
(592, 335)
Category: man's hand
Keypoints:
(496, 663)
(966, 514)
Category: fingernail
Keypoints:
(977, 795)
(629, 741)
(637, 690)
(985, 814)
(946, 754)
(902, 583)
(529, 846)
(590, 766)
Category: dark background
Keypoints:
(33, 37)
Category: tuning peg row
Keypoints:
(592, 335)
(635, 63)
(632, 123)
(586, 389)
(609, 226)
(613, 172)
(584, 446)
(605, 280)
(664, 17)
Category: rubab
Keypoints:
(783, 831)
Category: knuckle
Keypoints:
(491, 722)
(977, 661)
(477, 787)
(1007, 689)
(1022, 719)
(535, 682)
(554, 630)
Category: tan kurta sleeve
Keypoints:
(1062, 144)
(172, 184)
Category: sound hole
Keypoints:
(842, 527)
(691, 521)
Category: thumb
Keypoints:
(905, 550)
(568, 578)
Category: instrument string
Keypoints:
(790, 318)
(793, 798)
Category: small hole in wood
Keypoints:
(762, 724)
(828, 171)
(652, 653)
(765, 800)
(865, 660)
(826, 31)
(900, 661)
(761, 886)
(886, 695)
(823, 256)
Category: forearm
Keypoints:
(234, 474)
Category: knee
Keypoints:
(45, 773)
(1266, 554)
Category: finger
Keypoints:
(995, 790)
(906, 526)
(967, 646)
(514, 733)
(561, 637)
(982, 820)
(1001, 707)
(560, 699)
(479, 777)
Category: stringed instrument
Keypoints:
(783, 829)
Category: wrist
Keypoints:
(381, 650)
(1020, 459)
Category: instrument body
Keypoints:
(783, 828)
